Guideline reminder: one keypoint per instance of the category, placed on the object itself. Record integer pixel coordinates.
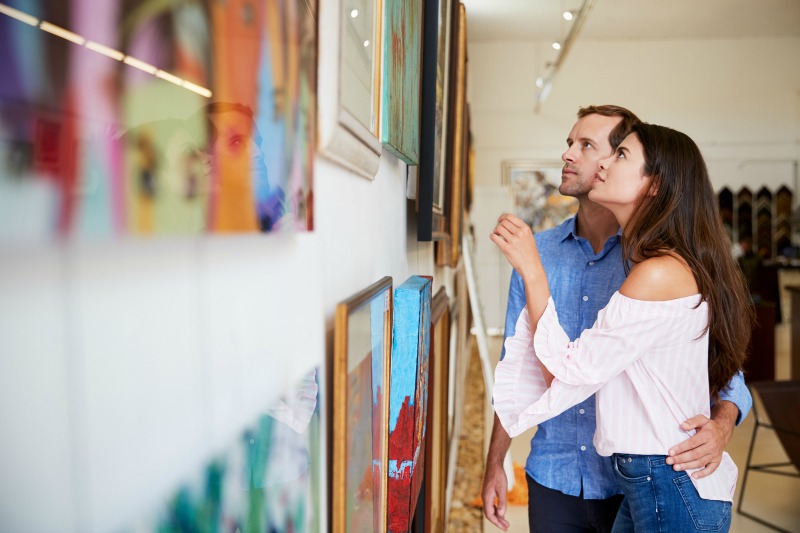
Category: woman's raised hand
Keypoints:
(515, 239)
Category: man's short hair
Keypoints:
(621, 130)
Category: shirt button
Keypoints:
(585, 298)
(581, 411)
(583, 448)
(591, 263)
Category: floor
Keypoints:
(775, 498)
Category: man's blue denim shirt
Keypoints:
(581, 283)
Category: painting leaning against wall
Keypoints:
(120, 118)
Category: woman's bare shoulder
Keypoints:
(660, 278)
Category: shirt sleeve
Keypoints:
(516, 303)
(518, 379)
(738, 393)
(619, 337)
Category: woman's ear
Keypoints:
(653, 189)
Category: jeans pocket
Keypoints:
(632, 470)
(707, 515)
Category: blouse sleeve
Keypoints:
(620, 336)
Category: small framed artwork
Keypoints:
(436, 441)
(534, 188)
(362, 352)
(349, 84)
(434, 118)
(402, 73)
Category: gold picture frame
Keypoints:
(448, 250)
(363, 325)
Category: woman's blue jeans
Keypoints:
(658, 499)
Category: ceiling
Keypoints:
(534, 20)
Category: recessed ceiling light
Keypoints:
(354, 13)
(568, 15)
(556, 45)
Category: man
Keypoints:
(570, 487)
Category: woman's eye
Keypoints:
(587, 145)
(620, 155)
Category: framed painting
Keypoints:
(349, 84)
(534, 189)
(362, 351)
(171, 118)
(448, 250)
(408, 404)
(437, 45)
(402, 42)
(436, 440)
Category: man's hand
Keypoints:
(495, 487)
(495, 481)
(704, 449)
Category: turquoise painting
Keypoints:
(408, 399)
(402, 74)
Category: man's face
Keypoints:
(587, 144)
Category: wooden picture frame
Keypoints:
(436, 440)
(448, 250)
(534, 190)
(348, 91)
(362, 352)
(408, 405)
(402, 74)
(437, 45)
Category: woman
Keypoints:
(673, 335)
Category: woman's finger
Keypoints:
(513, 219)
(503, 232)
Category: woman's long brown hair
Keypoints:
(682, 217)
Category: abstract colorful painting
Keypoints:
(362, 337)
(269, 479)
(408, 404)
(151, 117)
(402, 74)
(534, 188)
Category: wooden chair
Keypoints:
(781, 403)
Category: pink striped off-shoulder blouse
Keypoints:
(646, 360)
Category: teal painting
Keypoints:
(269, 479)
(402, 74)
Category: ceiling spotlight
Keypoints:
(540, 82)
(354, 13)
(366, 44)
(556, 45)
(568, 15)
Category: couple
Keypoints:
(654, 317)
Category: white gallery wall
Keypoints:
(124, 365)
(739, 99)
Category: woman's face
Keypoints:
(620, 183)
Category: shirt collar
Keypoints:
(566, 229)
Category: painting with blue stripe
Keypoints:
(408, 398)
